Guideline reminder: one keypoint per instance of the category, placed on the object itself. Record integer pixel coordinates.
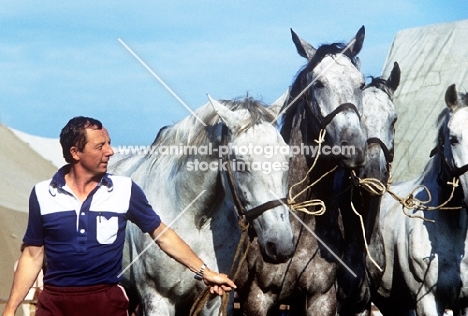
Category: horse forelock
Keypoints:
(380, 83)
(331, 50)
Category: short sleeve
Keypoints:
(140, 211)
(34, 232)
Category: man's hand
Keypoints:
(219, 283)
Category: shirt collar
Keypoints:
(58, 180)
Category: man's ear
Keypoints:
(74, 153)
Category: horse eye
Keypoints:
(318, 84)
(241, 166)
(453, 140)
(243, 170)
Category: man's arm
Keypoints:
(29, 266)
(171, 243)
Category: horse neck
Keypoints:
(436, 179)
(371, 213)
(306, 170)
(188, 171)
(352, 199)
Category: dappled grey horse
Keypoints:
(190, 176)
(325, 95)
(361, 192)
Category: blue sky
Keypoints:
(60, 59)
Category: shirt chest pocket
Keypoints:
(106, 229)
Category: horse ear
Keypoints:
(451, 97)
(393, 80)
(275, 107)
(356, 47)
(230, 118)
(303, 48)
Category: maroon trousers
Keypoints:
(96, 300)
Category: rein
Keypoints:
(411, 202)
(302, 206)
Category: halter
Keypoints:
(239, 206)
(454, 171)
(325, 120)
(389, 154)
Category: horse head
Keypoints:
(453, 138)
(255, 177)
(331, 86)
(379, 117)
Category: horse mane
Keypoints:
(190, 132)
(300, 81)
(380, 83)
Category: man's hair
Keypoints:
(74, 134)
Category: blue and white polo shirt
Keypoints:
(84, 241)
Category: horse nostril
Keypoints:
(271, 249)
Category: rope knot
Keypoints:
(411, 202)
(371, 185)
(454, 183)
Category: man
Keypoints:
(77, 222)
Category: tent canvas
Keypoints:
(20, 168)
(431, 58)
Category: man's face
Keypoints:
(95, 156)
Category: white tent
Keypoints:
(49, 148)
(20, 168)
(431, 58)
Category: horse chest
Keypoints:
(435, 251)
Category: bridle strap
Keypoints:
(456, 172)
(341, 108)
(389, 154)
(453, 171)
(259, 210)
(240, 209)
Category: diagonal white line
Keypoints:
(313, 81)
(316, 237)
(160, 80)
(157, 237)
